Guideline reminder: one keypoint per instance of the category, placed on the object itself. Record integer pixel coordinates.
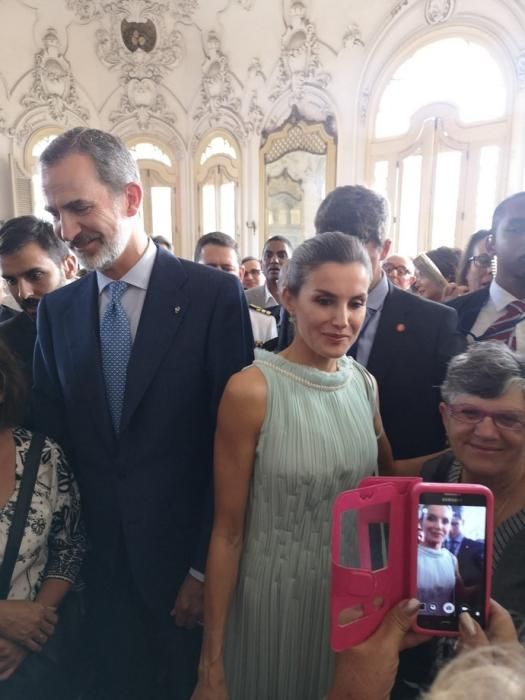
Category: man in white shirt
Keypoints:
(497, 312)
(276, 252)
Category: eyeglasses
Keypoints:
(400, 269)
(482, 260)
(504, 420)
(253, 272)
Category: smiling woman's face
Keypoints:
(436, 525)
(483, 448)
(329, 310)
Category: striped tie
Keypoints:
(504, 327)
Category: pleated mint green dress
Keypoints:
(317, 440)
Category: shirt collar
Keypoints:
(377, 295)
(269, 299)
(499, 296)
(139, 274)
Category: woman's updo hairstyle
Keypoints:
(331, 247)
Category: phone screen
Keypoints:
(451, 558)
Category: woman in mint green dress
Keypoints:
(293, 431)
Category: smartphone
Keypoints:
(451, 561)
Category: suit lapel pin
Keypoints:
(177, 309)
(401, 328)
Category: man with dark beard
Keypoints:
(33, 262)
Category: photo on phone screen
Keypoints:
(451, 558)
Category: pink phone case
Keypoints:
(489, 528)
(377, 500)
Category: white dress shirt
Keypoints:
(493, 309)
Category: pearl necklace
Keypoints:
(302, 380)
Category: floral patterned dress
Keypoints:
(54, 541)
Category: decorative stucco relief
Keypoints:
(520, 69)
(254, 85)
(88, 10)
(53, 84)
(218, 85)
(139, 42)
(438, 11)
(299, 62)
(398, 7)
(353, 36)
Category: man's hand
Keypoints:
(189, 604)
(27, 622)
(368, 670)
(11, 656)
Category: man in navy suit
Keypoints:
(469, 553)
(143, 461)
(405, 341)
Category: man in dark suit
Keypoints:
(33, 262)
(130, 365)
(497, 312)
(469, 553)
(405, 342)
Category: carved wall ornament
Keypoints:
(353, 36)
(184, 10)
(398, 7)
(138, 41)
(520, 69)
(53, 83)
(217, 90)
(363, 104)
(438, 11)
(299, 62)
(85, 10)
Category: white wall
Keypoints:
(87, 76)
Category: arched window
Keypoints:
(158, 178)
(437, 148)
(218, 181)
(28, 195)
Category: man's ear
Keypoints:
(288, 301)
(385, 250)
(133, 192)
(444, 413)
(242, 271)
(70, 267)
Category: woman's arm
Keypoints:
(385, 461)
(241, 415)
(67, 538)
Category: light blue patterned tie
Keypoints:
(115, 342)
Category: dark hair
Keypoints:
(160, 240)
(464, 264)
(332, 246)
(249, 258)
(16, 233)
(499, 211)
(280, 238)
(114, 164)
(13, 385)
(215, 238)
(356, 211)
(486, 370)
(446, 260)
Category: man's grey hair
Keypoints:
(486, 370)
(114, 164)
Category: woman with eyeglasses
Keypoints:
(475, 268)
(483, 411)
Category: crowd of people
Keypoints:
(177, 437)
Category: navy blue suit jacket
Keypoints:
(153, 482)
(468, 307)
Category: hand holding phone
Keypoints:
(451, 564)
